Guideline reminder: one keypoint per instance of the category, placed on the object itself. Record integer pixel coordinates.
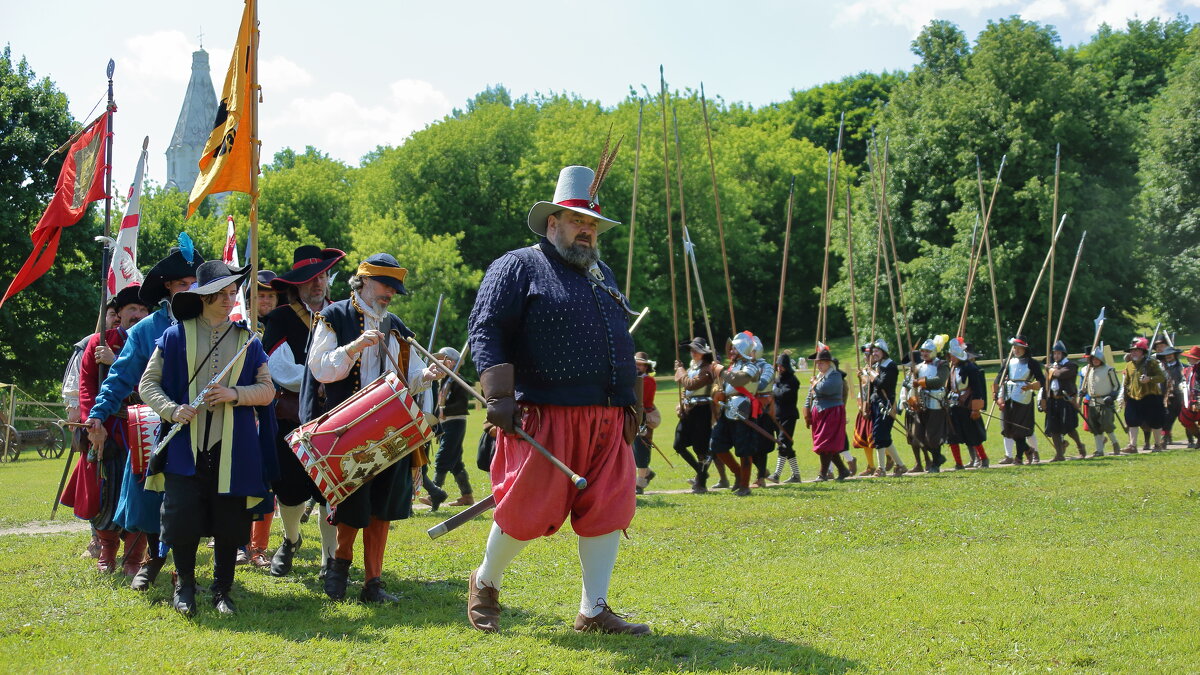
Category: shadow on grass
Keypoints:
(698, 652)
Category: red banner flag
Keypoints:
(80, 183)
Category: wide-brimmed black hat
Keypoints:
(382, 267)
(307, 262)
(175, 266)
(697, 344)
(1019, 341)
(821, 355)
(130, 295)
(265, 277)
(211, 277)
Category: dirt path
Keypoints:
(44, 527)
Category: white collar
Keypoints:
(885, 363)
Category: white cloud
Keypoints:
(280, 73)
(165, 55)
(1086, 14)
(914, 14)
(346, 128)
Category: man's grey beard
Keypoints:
(579, 256)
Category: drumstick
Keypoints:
(579, 481)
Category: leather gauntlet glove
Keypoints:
(497, 384)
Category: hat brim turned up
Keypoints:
(543, 210)
(306, 273)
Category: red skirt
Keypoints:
(829, 430)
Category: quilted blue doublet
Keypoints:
(568, 339)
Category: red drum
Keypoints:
(370, 431)
(141, 431)
(1189, 419)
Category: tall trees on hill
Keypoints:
(455, 194)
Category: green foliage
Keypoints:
(40, 323)
(1170, 204)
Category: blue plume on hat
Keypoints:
(186, 247)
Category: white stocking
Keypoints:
(290, 516)
(597, 557)
(1009, 447)
(328, 535)
(500, 551)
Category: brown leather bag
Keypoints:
(287, 406)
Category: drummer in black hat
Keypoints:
(305, 289)
(354, 342)
(216, 468)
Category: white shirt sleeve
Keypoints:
(284, 370)
(417, 382)
(327, 361)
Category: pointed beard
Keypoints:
(579, 256)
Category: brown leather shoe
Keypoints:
(608, 621)
(483, 606)
(259, 559)
(465, 500)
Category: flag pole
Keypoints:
(637, 162)
(106, 258)
(255, 146)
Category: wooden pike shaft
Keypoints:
(1053, 219)
(850, 266)
(687, 283)
(825, 268)
(887, 214)
(987, 219)
(1038, 282)
(670, 235)
(712, 168)
(987, 244)
(787, 238)
(881, 252)
(689, 251)
(637, 163)
(829, 216)
(1070, 284)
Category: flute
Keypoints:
(199, 400)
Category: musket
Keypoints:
(199, 400)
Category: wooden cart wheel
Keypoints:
(12, 449)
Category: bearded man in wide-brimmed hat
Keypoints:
(288, 332)
(354, 342)
(138, 509)
(549, 332)
(219, 466)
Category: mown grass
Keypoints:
(1077, 566)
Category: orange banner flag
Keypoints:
(227, 161)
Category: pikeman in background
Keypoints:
(268, 297)
(1058, 402)
(881, 374)
(1142, 384)
(550, 335)
(967, 401)
(1168, 356)
(1014, 388)
(786, 397)
(1099, 391)
(1189, 413)
(766, 420)
(695, 411)
(112, 458)
(139, 509)
(289, 328)
(738, 383)
(929, 390)
(353, 343)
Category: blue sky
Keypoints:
(350, 75)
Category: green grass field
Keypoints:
(1088, 566)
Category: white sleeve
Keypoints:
(417, 382)
(284, 370)
(327, 361)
